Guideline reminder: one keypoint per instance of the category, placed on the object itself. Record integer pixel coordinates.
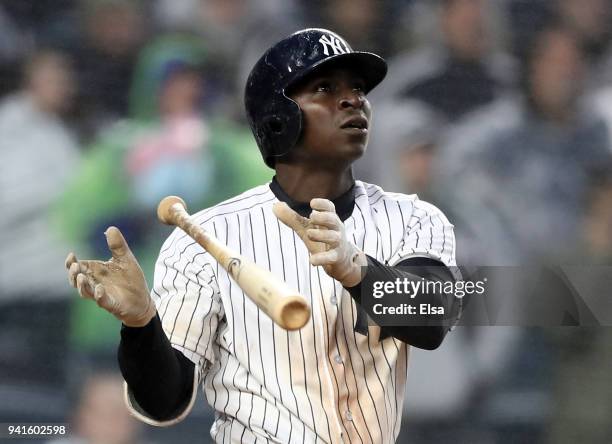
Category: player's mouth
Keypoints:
(356, 124)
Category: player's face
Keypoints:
(336, 116)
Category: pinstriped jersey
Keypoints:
(323, 383)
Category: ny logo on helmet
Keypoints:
(337, 45)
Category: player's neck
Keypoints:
(303, 185)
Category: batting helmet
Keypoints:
(275, 119)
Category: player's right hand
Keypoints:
(117, 285)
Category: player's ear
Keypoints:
(274, 124)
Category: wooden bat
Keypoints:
(287, 308)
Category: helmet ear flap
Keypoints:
(274, 124)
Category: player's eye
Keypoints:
(323, 86)
(359, 86)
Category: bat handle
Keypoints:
(166, 212)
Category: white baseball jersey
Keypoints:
(322, 383)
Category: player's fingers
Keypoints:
(325, 219)
(325, 258)
(73, 272)
(329, 237)
(322, 205)
(103, 299)
(75, 269)
(70, 259)
(117, 243)
(82, 284)
(290, 218)
(96, 270)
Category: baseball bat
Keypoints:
(287, 308)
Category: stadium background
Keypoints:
(497, 111)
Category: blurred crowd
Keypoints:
(497, 111)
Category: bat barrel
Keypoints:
(294, 313)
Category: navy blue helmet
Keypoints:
(275, 119)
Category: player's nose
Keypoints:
(351, 98)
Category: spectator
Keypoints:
(453, 75)
(590, 20)
(113, 34)
(517, 172)
(404, 138)
(166, 148)
(234, 26)
(100, 415)
(596, 232)
(237, 28)
(521, 172)
(39, 153)
(14, 44)
(460, 71)
(367, 24)
(582, 393)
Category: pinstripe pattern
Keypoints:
(324, 383)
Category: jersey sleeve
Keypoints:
(188, 302)
(187, 297)
(427, 233)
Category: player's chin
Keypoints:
(355, 148)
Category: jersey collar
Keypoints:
(344, 204)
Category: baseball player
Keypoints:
(324, 233)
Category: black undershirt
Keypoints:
(344, 204)
(161, 378)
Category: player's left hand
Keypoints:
(324, 235)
